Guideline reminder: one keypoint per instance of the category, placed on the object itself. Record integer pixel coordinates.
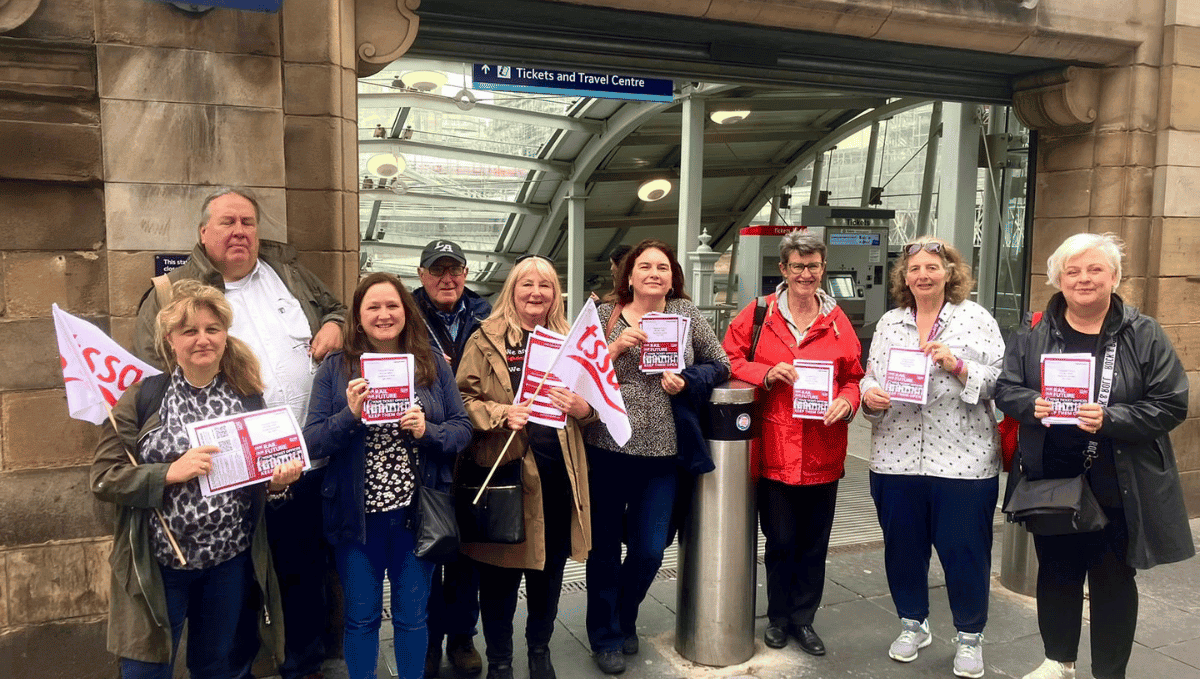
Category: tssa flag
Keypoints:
(96, 370)
(584, 366)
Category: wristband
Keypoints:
(958, 368)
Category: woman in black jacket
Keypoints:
(1132, 469)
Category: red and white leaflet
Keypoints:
(812, 392)
(663, 349)
(1067, 384)
(540, 352)
(390, 381)
(907, 377)
(252, 446)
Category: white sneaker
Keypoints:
(1051, 669)
(913, 637)
(968, 661)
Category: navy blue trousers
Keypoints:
(632, 497)
(918, 513)
(796, 522)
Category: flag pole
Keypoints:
(496, 464)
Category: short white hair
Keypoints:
(1109, 245)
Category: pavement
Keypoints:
(858, 622)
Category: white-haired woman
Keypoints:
(1132, 468)
(553, 468)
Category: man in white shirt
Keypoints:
(291, 321)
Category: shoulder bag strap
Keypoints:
(612, 321)
(162, 290)
(760, 314)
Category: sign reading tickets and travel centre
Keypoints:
(572, 83)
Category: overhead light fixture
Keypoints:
(728, 117)
(654, 189)
(425, 81)
(385, 165)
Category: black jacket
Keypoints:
(1149, 399)
(477, 310)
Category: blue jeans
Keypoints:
(389, 548)
(918, 513)
(218, 604)
(632, 497)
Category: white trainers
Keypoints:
(968, 661)
(1051, 669)
(913, 637)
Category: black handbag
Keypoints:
(499, 516)
(436, 531)
(1055, 506)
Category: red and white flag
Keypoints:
(96, 370)
(584, 366)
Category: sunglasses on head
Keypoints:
(929, 246)
(530, 255)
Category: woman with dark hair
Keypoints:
(374, 470)
(633, 486)
(935, 466)
(1122, 445)
(553, 468)
(225, 588)
(798, 461)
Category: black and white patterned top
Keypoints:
(209, 530)
(954, 434)
(648, 405)
(391, 475)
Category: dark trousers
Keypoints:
(1064, 561)
(302, 561)
(220, 607)
(918, 513)
(454, 600)
(796, 521)
(632, 497)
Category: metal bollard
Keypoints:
(717, 545)
(1018, 560)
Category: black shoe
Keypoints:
(775, 636)
(610, 662)
(540, 666)
(500, 670)
(809, 641)
(630, 645)
(463, 655)
(433, 658)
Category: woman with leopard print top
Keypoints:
(226, 570)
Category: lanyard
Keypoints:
(1107, 370)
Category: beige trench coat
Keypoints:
(487, 394)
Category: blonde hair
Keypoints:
(188, 297)
(506, 307)
(1109, 245)
(959, 282)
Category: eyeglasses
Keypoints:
(813, 268)
(454, 270)
(929, 246)
(530, 255)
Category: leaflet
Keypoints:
(390, 380)
(907, 377)
(663, 349)
(540, 352)
(1067, 384)
(252, 446)
(812, 392)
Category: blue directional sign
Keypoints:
(603, 85)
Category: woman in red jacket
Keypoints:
(799, 461)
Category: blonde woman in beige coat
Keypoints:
(553, 468)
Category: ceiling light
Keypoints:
(425, 81)
(655, 189)
(728, 117)
(385, 164)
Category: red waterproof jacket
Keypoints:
(795, 451)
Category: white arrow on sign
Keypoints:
(485, 69)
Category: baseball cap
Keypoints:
(441, 248)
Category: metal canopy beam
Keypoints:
(452, 153)
(769, 103)
(657, 220)
(442, 104)
(487, 256)
(727, 137)
(456, 201)
(637, 174)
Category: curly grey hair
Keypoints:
(802, 242)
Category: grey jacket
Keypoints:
(138, 627)
(319, 304)
(1149, 399)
